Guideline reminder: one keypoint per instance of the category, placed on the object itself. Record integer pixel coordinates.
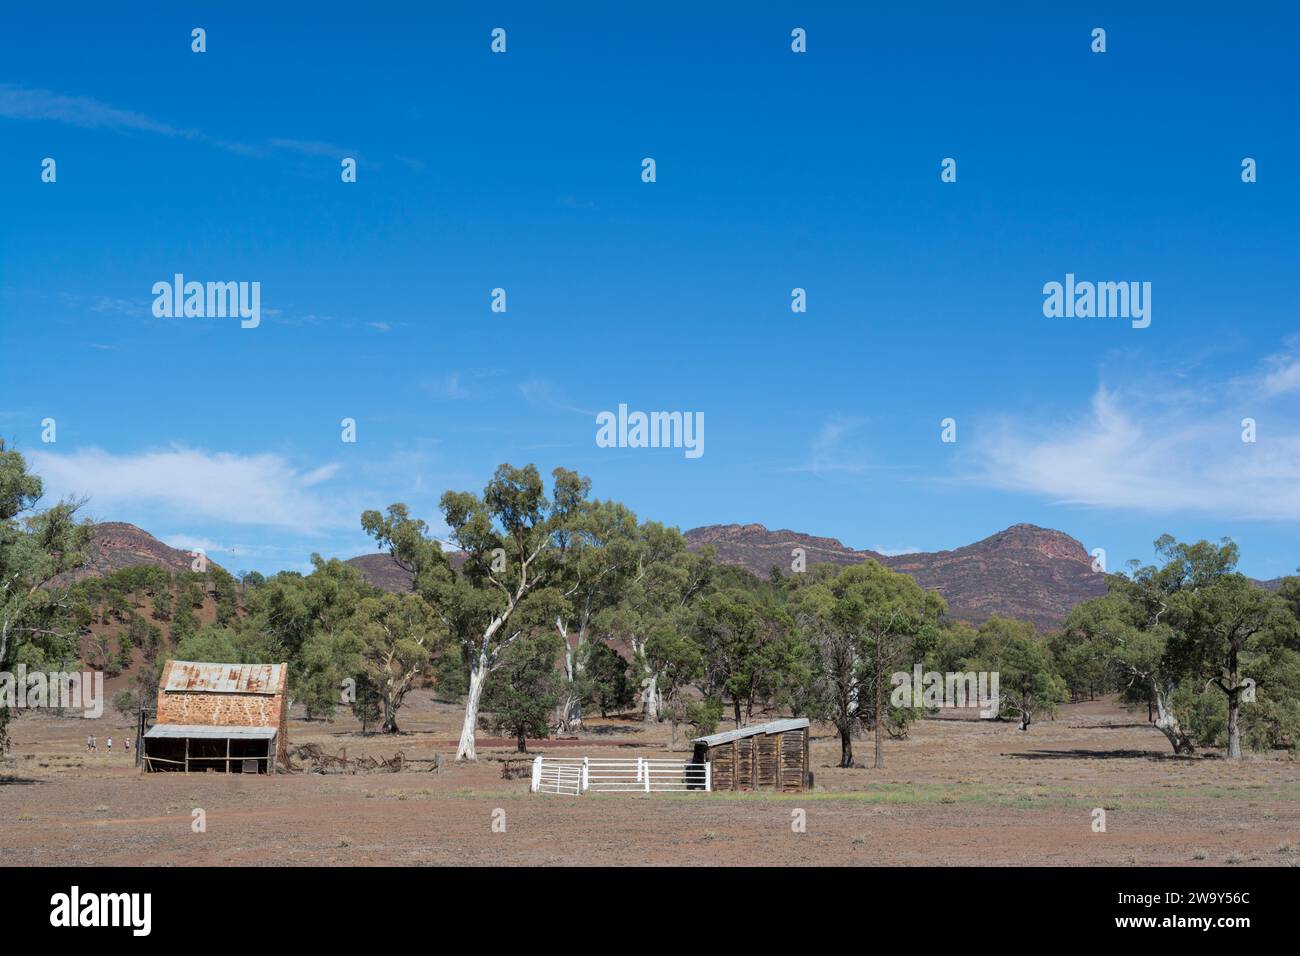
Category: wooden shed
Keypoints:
(770, 756)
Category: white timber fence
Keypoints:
(578, 775)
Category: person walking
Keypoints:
(110, 744)
(90, 743)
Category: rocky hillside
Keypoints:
(1025, 571)
(116, 545)
(383, 572)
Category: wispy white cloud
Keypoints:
(17, 102)
(458, 386)
(1282, 375)
(322, 474)
(105, 304)
(180, 483)
(1145, 446)
(313, 148)
(894, 552)
(85, 112)
(543, 394)
(191, 542)
(833, 449)
(451, 387)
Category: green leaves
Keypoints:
(37, 622)
(524, 688)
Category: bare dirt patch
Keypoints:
(958, 791)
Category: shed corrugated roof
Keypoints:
(224, 678)
(775, 727)
(210, 731)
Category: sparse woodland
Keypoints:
(544, 604)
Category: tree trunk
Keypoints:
(569, 652)
(880, 716)
(568, 713)
(1234, 723)
(522, 743)
(651, 695)
(1234, 708)
(846, 746)
(477, 676)
(1167, 723)
(389, 725)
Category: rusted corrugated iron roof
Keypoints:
(224, 678)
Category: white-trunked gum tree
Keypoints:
(513, 540)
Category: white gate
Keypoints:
(619, 775)
(556, 777)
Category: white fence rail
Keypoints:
(576, 775)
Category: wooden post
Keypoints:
(187, 754)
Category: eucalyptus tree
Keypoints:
(397, 633)
(677, 662)
(601, 552)
(1130, 640)
(1188, 624)
(513, 541)
(36, 620)
(662, 580)
(524, 686)
(1221, 633)
(1029, 683)
(863, 623)
(308, 621)
(752, 653)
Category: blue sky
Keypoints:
(775, 170)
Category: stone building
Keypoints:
(231, 718)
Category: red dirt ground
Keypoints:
(958, 791)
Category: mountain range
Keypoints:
(1025, 571)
